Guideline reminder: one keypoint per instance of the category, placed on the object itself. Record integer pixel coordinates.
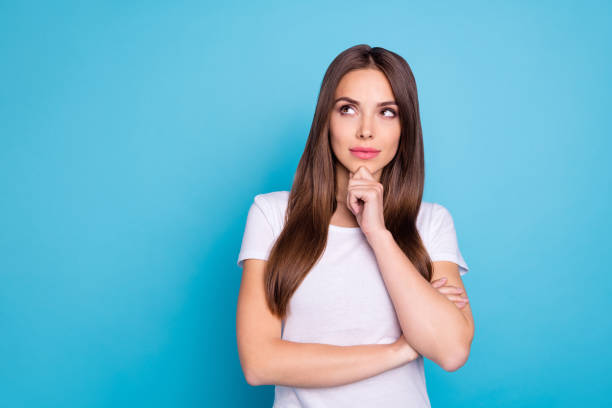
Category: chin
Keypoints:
(353, 165)
(370, 166)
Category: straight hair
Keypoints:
(312, 199)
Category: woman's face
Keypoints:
(359, 120)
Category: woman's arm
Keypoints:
(432, 324)
(299, 363)
(268, 359)
(295, 364)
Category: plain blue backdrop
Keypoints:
(134, 136)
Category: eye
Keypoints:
(342, 109)
(343, 112)
(390, 110)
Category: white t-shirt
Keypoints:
(343, 301)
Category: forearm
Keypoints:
(431, 323)
(306, 365)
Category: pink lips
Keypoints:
(364, 152)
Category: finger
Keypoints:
(353, 202)
(456, 298)
(364, 172)
(454, 288)
(349, 204)
(349, 201)
(438, 283)
(362, 182)
(364, 193)
(451, 289)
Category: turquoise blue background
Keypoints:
(134, 135)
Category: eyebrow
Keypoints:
(346, 98)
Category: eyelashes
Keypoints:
(341, 110)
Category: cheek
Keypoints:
(342, 127)
(391, 149)
(338, 137)
(336, 144)
(333, 132)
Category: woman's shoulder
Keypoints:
(431, 208)
(430, 213)
(274, 197)
(426, 208)
(273, 204)
(273, 201)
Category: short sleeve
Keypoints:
(443, 245)
(258, 235)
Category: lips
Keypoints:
(364, 149)
(364, 152)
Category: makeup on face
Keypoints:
(364, 152)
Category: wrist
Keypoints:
(379, 236)
(397, 353)
(402, 352)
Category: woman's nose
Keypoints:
(365, 130)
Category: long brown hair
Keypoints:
(312, 200)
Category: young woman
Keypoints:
(349, 279)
